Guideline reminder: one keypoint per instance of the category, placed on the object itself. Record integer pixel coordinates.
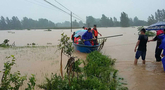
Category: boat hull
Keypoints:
(85, 48)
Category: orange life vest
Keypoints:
(86, 28)
(95, 32)
(77, 40)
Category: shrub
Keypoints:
(148, 33)
(14, 81)
(5, 43)
(97, 74)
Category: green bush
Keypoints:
(97, 74)
(14, 81)
(148, 33)
(5, 43)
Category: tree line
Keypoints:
(104, 21)
(125, 21)
(25, 23)
(75, 23)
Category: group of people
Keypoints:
(142, 46)
(88, 38)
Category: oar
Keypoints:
(106, 37)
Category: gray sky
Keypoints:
(39, 9)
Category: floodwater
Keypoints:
(42, 61)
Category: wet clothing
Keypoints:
(77, 40)
(87, 35)
(143, 43)
(158, 51)
(140, 53)
(162, 46)
(95, 33)
(159, 41)
(72, 37)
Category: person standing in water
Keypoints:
(95, 34)
(158, 51)
(142, 47)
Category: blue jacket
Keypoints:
(87, 35)
(162, 46)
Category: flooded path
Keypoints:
(43, 61)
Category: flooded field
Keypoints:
(42, 61)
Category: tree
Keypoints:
(160, 15)
(116, 23)
(90, 21)
(111, 23)
(151, 20)
(81, 24)
(3, 24)
(15, 23)
(75, 23)
(8, 22)
(105, 22)
(124, 20)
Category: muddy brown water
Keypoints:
(43, 61)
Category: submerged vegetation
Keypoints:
(13, 81)
(5, 43)
(48, 30)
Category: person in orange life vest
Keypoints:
(75, 38)
(78, 39)
(85, 28)
(95, 34)
(72, 37)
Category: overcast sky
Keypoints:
(112, 8)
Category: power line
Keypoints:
(41, 4)
(62, 10)
(62, 5)
(57, 7)
(67, 8)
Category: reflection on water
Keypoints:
(45, 60)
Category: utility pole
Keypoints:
(71, 20)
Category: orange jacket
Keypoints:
(77, 40)
(95, 32)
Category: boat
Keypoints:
(88, 49)
(85, 48)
